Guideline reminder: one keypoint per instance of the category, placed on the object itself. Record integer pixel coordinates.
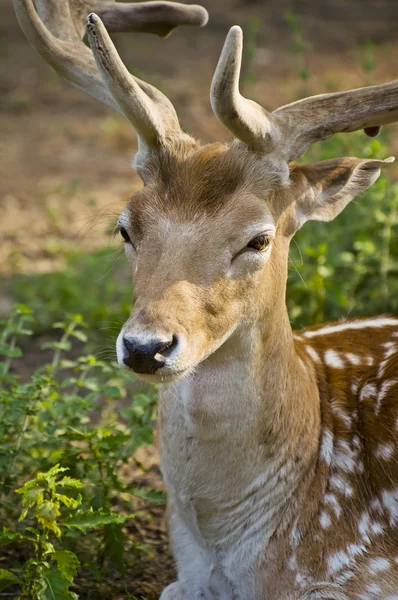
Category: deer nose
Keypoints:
(149, 355)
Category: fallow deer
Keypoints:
(279, 449)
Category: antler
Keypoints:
(56, 31)
(247, 120)
(148, 17)
(291, 129)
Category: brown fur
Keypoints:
(180, 285)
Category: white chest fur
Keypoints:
(225, 486)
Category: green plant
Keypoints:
(66, 413)
(348, 267)
(50, 572)
(96, 285)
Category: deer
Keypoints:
(278, 447)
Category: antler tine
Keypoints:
(319, 117)
(159, 18)
(67, 54)
(150, 112)
(247, 120)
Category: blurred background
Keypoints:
(65, 175)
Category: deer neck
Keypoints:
(257, 382)
(245, 422)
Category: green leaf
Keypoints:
(148, 494)
(23, 514)
(55, 470)
(114, 545)
(57, 586)
(7, 578)
(7, 537)
(47, 511)
(75, 435)
(65, 345)
(69, 502)
(68, 563)
(46, 514)
(31, 495)
(80, 335)
(15, 352)
(112, 391)
(70, 482)
(67, 364)
(85, 520)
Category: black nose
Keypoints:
(140, 356)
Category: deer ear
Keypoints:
(326, 187)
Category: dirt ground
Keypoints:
(65, 159)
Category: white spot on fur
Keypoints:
(364, 526)
(303, 581)
(385, 362)
(343, 416)
(385, 451)
(376, 505)
(312, 353)
(388, 345)
(373, 588)
(345, 457)
(377, 565)
(334, 503)
(354, 386)
(354, 359)
(382, 322)
(390, 502)
(368, 391)
(324, 520)
(333, 359)
(355, 549)
(337, 561)
(339, 483)
(295, 537)
(344, 577)
(384, 388)
(326, 449)
(376, 528)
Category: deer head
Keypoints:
(207, 237)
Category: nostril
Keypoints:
(130, 345)
(168, 347)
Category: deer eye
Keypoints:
(259, 243)
(125, 235)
